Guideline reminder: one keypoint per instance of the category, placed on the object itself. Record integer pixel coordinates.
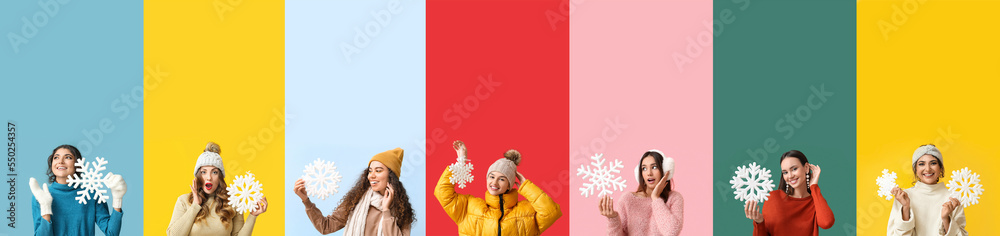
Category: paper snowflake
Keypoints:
(601, 177)
(321, 179)
(753, 183)
(886, 183)
(91, 179)
(965, 186)
(244, 193)
(461, 172)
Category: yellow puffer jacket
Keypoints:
(477, 216)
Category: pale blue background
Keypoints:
(64, 81)
(347, 112)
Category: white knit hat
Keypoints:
(928, 149)
(668, 165)
(209, 159)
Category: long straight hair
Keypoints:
(659, 163)
(802, 161)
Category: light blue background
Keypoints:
(347, 112)
(65, 80)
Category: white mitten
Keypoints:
(42, 195)
(117, 185)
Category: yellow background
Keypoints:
(938, 71)
(222, 81)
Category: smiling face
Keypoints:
(928, 169)
(63, 163)
(794, 172)
(650, 171)
(378, 176)
(497, 183)
(209, 177)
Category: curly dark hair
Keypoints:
(72, 150)
(400, 207)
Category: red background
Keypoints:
(513, 42)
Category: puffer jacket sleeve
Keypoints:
(546, 210)
(456, 205)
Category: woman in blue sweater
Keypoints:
(55, 209)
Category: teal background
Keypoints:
(69, 77)
(766, 60)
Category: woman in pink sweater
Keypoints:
(649, 210)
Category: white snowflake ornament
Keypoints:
(244, 193)
(965, 186)
(886, 183)
(601, 177)
(321, 179)
(753, 183)
(91, 179)
(461, 172)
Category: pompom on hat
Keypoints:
(507, 165)
(210, 157)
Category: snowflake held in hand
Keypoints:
(753, 183)
(600, 176)
(321, 179)
(461, 172)
(91, 179)
(886, 183)
(965, 186)
(244, 193)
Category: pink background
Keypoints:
(622, 67)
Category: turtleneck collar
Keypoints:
(62, 187)
(922, 187)
(509, 199)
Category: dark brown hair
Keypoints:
(399, 208)
(659, 163)
(802, 160)
(72, 150)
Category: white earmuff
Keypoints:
(668, 165)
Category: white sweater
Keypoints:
(925, 213)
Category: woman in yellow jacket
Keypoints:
(499, 213)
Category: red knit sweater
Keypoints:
(785, 215)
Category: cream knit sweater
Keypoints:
(182, 222)
(925, 213)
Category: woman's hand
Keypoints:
(607, 207)
(194, 192)
(903, 200)
(814, 179)
(948, 207)
(753, 212)
(660, 185)
(459, 147)
(261, 207)
(300, 189)
(520, 179)
(387, 197)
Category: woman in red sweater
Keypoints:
(797, 207)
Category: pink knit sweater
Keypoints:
(645, 216)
